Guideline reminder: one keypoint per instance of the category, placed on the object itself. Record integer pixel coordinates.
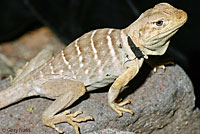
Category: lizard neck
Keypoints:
(132, 39)
(136, 50)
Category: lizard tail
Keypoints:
(13, 94)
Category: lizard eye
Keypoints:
(159, 23)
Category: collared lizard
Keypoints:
(94, 60)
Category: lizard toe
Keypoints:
(118, 107)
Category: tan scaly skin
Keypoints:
(96, 59)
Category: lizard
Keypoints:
(98, 58)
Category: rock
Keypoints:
(28, 45)
(163, 102)
(14, 54)
(5, 71)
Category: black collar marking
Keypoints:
(136, 50)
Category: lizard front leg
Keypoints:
(114, 90)
(159, 62)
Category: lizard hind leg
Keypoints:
(41, 58)
(70, 91)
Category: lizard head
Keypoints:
(154, 28)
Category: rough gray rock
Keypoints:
(163, 102)
(5, 70)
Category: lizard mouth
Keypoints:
(162, 42)
(155, 45)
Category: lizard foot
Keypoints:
(118, 107)
(68, 117)
(157, 67)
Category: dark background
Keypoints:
(69, 19)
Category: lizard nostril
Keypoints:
(178, 14)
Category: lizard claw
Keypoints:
(118, 107)
(54, 127)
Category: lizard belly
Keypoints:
(102, 77)
(102, 83)
(108, 75)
